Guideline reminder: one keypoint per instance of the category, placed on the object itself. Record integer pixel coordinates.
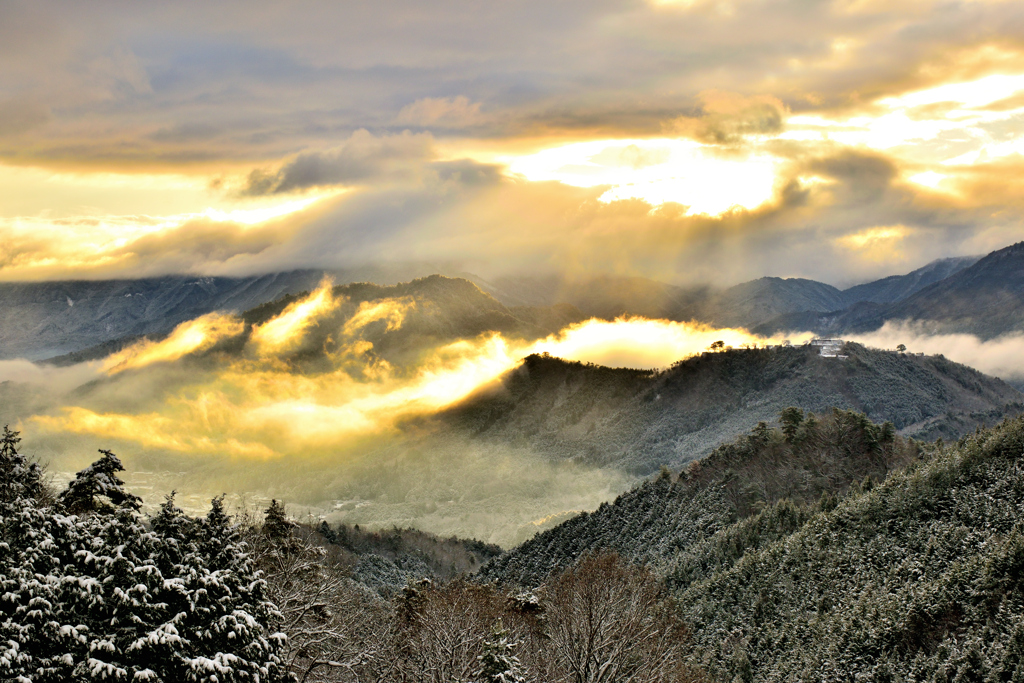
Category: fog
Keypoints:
(319, 405)
(1001, 356)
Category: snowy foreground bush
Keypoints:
(88, 592)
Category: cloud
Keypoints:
(59, 380)
(809, 124)
(1002, 356)
(305, 404)
(445, 112)
(728, 118)
(362, 157)
(20, 116)
(273, 83)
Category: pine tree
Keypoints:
(97, 488)
(791, 418)
(498, 663)
(275, 523)
(18, 477)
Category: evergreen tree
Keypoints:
(18, 477)
(498, 663)
(275, 523)
(97, 488)
(791, 418)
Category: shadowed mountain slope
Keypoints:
(45, 319)
(640, 420)
(750, 303)
(772, 302)
(898, 287)
(985, 299)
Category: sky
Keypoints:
(686, 141)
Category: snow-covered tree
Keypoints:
(97, 488)
(18, 477)
(498, 663)
(87, 597)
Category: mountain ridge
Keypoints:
(639, 420)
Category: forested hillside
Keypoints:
(92, 591)
(788, 566)
(640, 420)
(807, 458)
(919, 578)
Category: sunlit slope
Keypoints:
(638, 420)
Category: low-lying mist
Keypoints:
(1001, 356)
(316, 403)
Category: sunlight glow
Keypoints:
(253, 405)
(657, 171)
(284, 332)
(950, 124)
(86, 238)
(642, 342)
(189, 337)
(260, 215)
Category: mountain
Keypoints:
(898, 287)
(750, 303)
(663, 518)
(416, 315)
(914, 577)
(608, 297)
(44, 319)
(772, 303)
(986, 299)
(601, 296)
(639, 420)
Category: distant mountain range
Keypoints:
(763, 303)
(41, 320)
(982, 296)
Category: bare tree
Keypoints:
(338, 629)
(442, 629)
(610, 621)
